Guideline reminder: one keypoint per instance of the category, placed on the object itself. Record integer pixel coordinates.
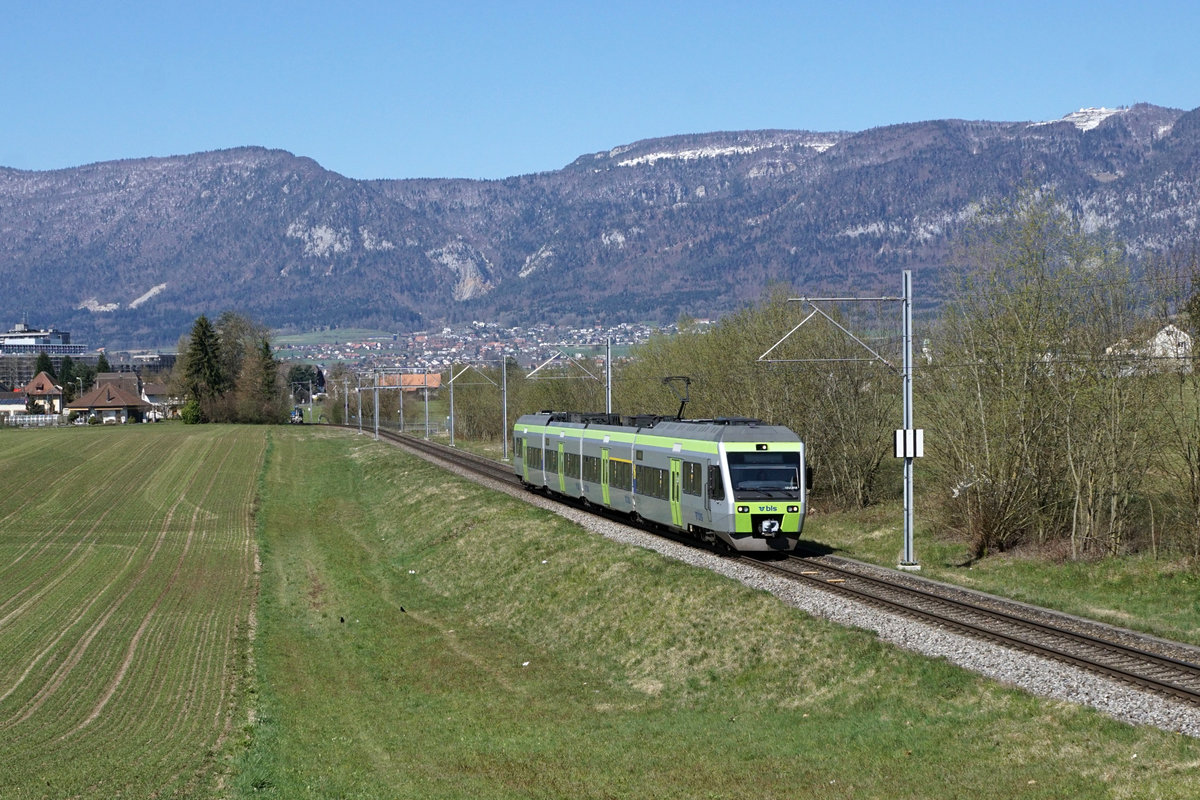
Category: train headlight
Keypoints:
(793, 509)
(743, 509)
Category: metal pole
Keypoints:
(345, 399)
(608, 376)
(910, 560)
(452, 405)
(504, 403)
(376, 376)
(402, 403)
(358, 393)
(909, 441)
(426, 405)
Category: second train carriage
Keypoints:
(737, 481)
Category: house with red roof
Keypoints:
(42, 389)
(112, 403)
(413, 382)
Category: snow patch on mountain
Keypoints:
(876, 228)
(148, 295)
(920, 229)
(713, 151)
(543, 257)
(1085, 119)
(613, 239)
(96, 307)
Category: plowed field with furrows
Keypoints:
(126, 592)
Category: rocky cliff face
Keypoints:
(130, 252)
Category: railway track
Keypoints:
(480, 465)
(1167, 668)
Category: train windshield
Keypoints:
(766, 472)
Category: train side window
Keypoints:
(692, 478)
(652, 482)
(622, 475)
(716, 487)
(648, 479)
(591, 469)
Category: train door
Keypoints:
(562, 477)
(525, 457)
(675, 491)
(604, 474)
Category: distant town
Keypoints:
(45, 377)
(431, 351)
(474, 343)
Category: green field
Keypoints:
(126, 589)
(333, 336)
(409, 646)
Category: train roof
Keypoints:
(718, 428)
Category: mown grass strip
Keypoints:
(423, 637)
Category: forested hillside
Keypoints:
(130, 252)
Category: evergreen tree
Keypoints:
(102, 364)
(87, 372)
(300, 377)
(229, 373)
(66, 377)
(203, 378)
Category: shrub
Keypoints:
(190, 413)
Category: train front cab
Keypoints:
(765, 492)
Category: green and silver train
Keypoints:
(733, 482)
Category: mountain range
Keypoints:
(128, 253)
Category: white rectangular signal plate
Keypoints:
(910, 443)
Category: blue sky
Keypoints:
(491, 90)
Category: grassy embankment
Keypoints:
(422, 637)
